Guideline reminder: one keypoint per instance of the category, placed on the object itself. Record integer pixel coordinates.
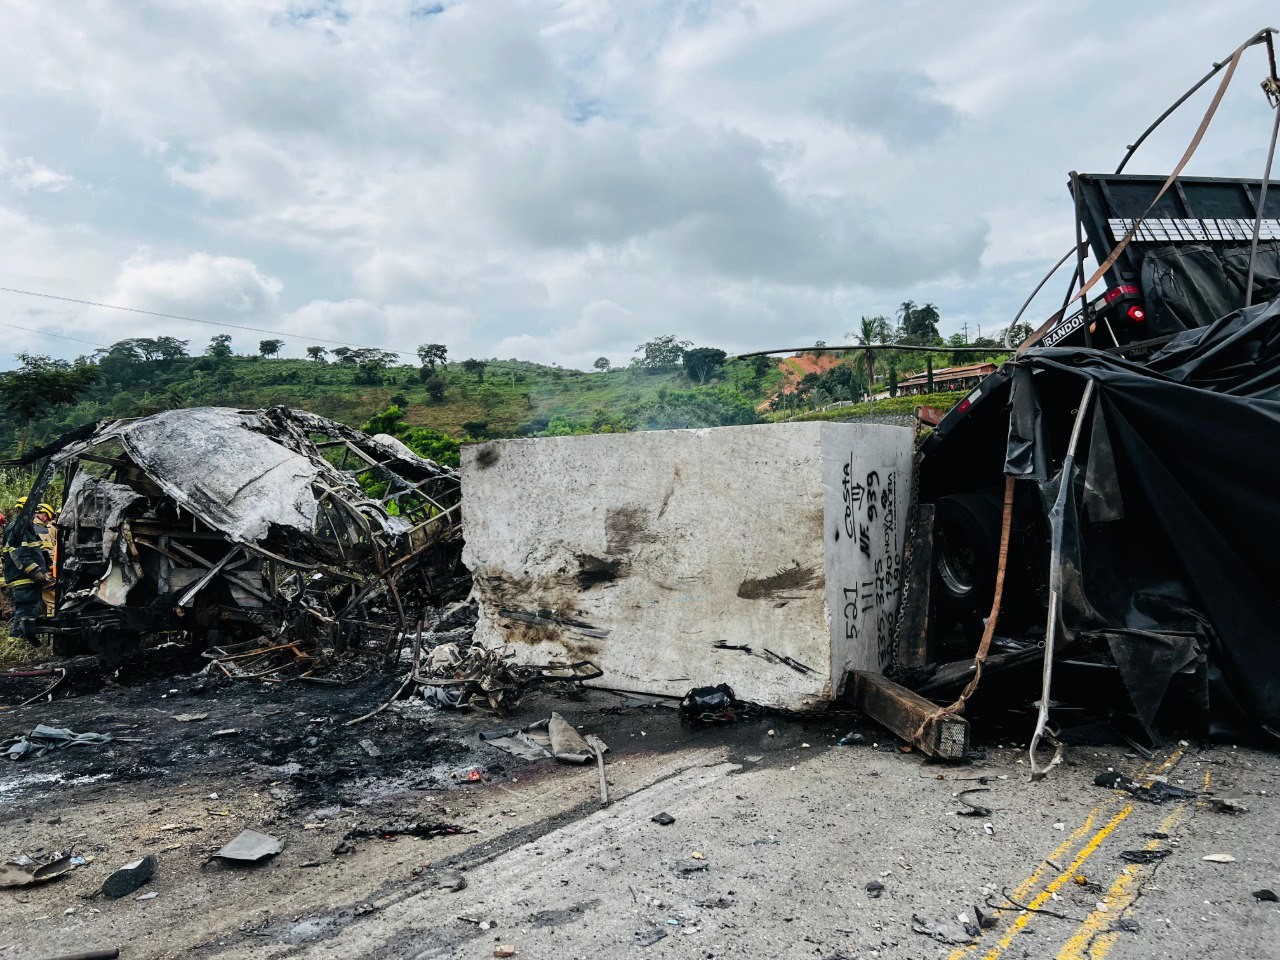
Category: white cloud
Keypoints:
(24, 174)
(572, 177)
(198, 284)
(399, 327)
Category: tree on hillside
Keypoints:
(476, 368)
(661, 353)
(316, 353)
(170, 348)
(40, 386)
(371, 364)
(219, 347)
(344, 354)
(269, 348)
(432, 353)
(602, 364)
(434, 387)
(703, 363)
(165, 349)
(760, 366)
(919, 324)
(867, 334)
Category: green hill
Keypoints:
(435, 407)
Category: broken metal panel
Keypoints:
(676, 559)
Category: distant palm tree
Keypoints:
(867, 335)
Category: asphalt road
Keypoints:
(773, 844)
(790, 842)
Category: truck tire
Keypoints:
(966, 552)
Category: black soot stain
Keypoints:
(781, 586)
(624, 528)
(597, 571)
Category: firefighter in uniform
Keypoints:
(26, 572)
(45, 533)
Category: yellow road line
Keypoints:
(1025, 917)
(1094, 939)
(1026, 886)
(1023, 889)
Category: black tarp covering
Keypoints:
(1186, 284)
(1177, 512)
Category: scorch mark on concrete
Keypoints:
(782, 585)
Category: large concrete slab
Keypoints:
(767, 557)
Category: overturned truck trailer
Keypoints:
(224, 525)
(1136, 439)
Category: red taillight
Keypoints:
(1137, 314)
(1124, 290)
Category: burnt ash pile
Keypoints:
(364, 733)
(288, 739)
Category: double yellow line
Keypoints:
(1094, 938)
(1090, 933)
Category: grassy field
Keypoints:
(893, 406)
(17, 653)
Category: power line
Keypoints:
(60, 336)
(211, 323)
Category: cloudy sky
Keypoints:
(557, 181)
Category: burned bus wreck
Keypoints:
(218, 525)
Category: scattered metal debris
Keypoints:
(952, 934)
(972, 809)
(1231, 801)
(1153, 791)
(598, 748)
(26, 871)
(250, 846)
(44, 738)
(451, 880)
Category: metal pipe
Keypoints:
(1008, 333)
(858, 348)
(1258, 37)
(1055, 586)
